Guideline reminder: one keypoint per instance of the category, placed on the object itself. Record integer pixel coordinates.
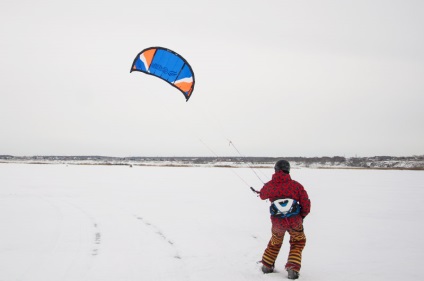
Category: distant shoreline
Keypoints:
(212, 166)
(376, 163)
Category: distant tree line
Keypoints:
(360, 162)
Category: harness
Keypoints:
(284, 208)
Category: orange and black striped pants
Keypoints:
(297, 243)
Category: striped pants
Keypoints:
(297, 243)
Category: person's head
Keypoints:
(282, 165)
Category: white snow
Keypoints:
(116, 223)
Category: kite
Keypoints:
(168, 66)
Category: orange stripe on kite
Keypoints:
(184, 86)
(149, 54)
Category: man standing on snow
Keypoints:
(290, 205)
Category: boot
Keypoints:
(292, 274)
(266, 269)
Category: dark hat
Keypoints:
(282, 165)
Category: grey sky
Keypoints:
(278, 78)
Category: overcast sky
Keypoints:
(276, 77)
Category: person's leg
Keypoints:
(297, 243)
(272, 250)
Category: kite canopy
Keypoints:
(168, 66)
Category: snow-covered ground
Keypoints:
(116, 223)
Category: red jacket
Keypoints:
(282, 186)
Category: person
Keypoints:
(281, 186)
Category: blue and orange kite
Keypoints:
(168, 66)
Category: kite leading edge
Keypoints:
(168, 66)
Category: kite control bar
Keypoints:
(254, 190)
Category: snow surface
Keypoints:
(62, 222)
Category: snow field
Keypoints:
(105, 223)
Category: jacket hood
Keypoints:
(280, 176)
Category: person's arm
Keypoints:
(305, 203)
(264, 192)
